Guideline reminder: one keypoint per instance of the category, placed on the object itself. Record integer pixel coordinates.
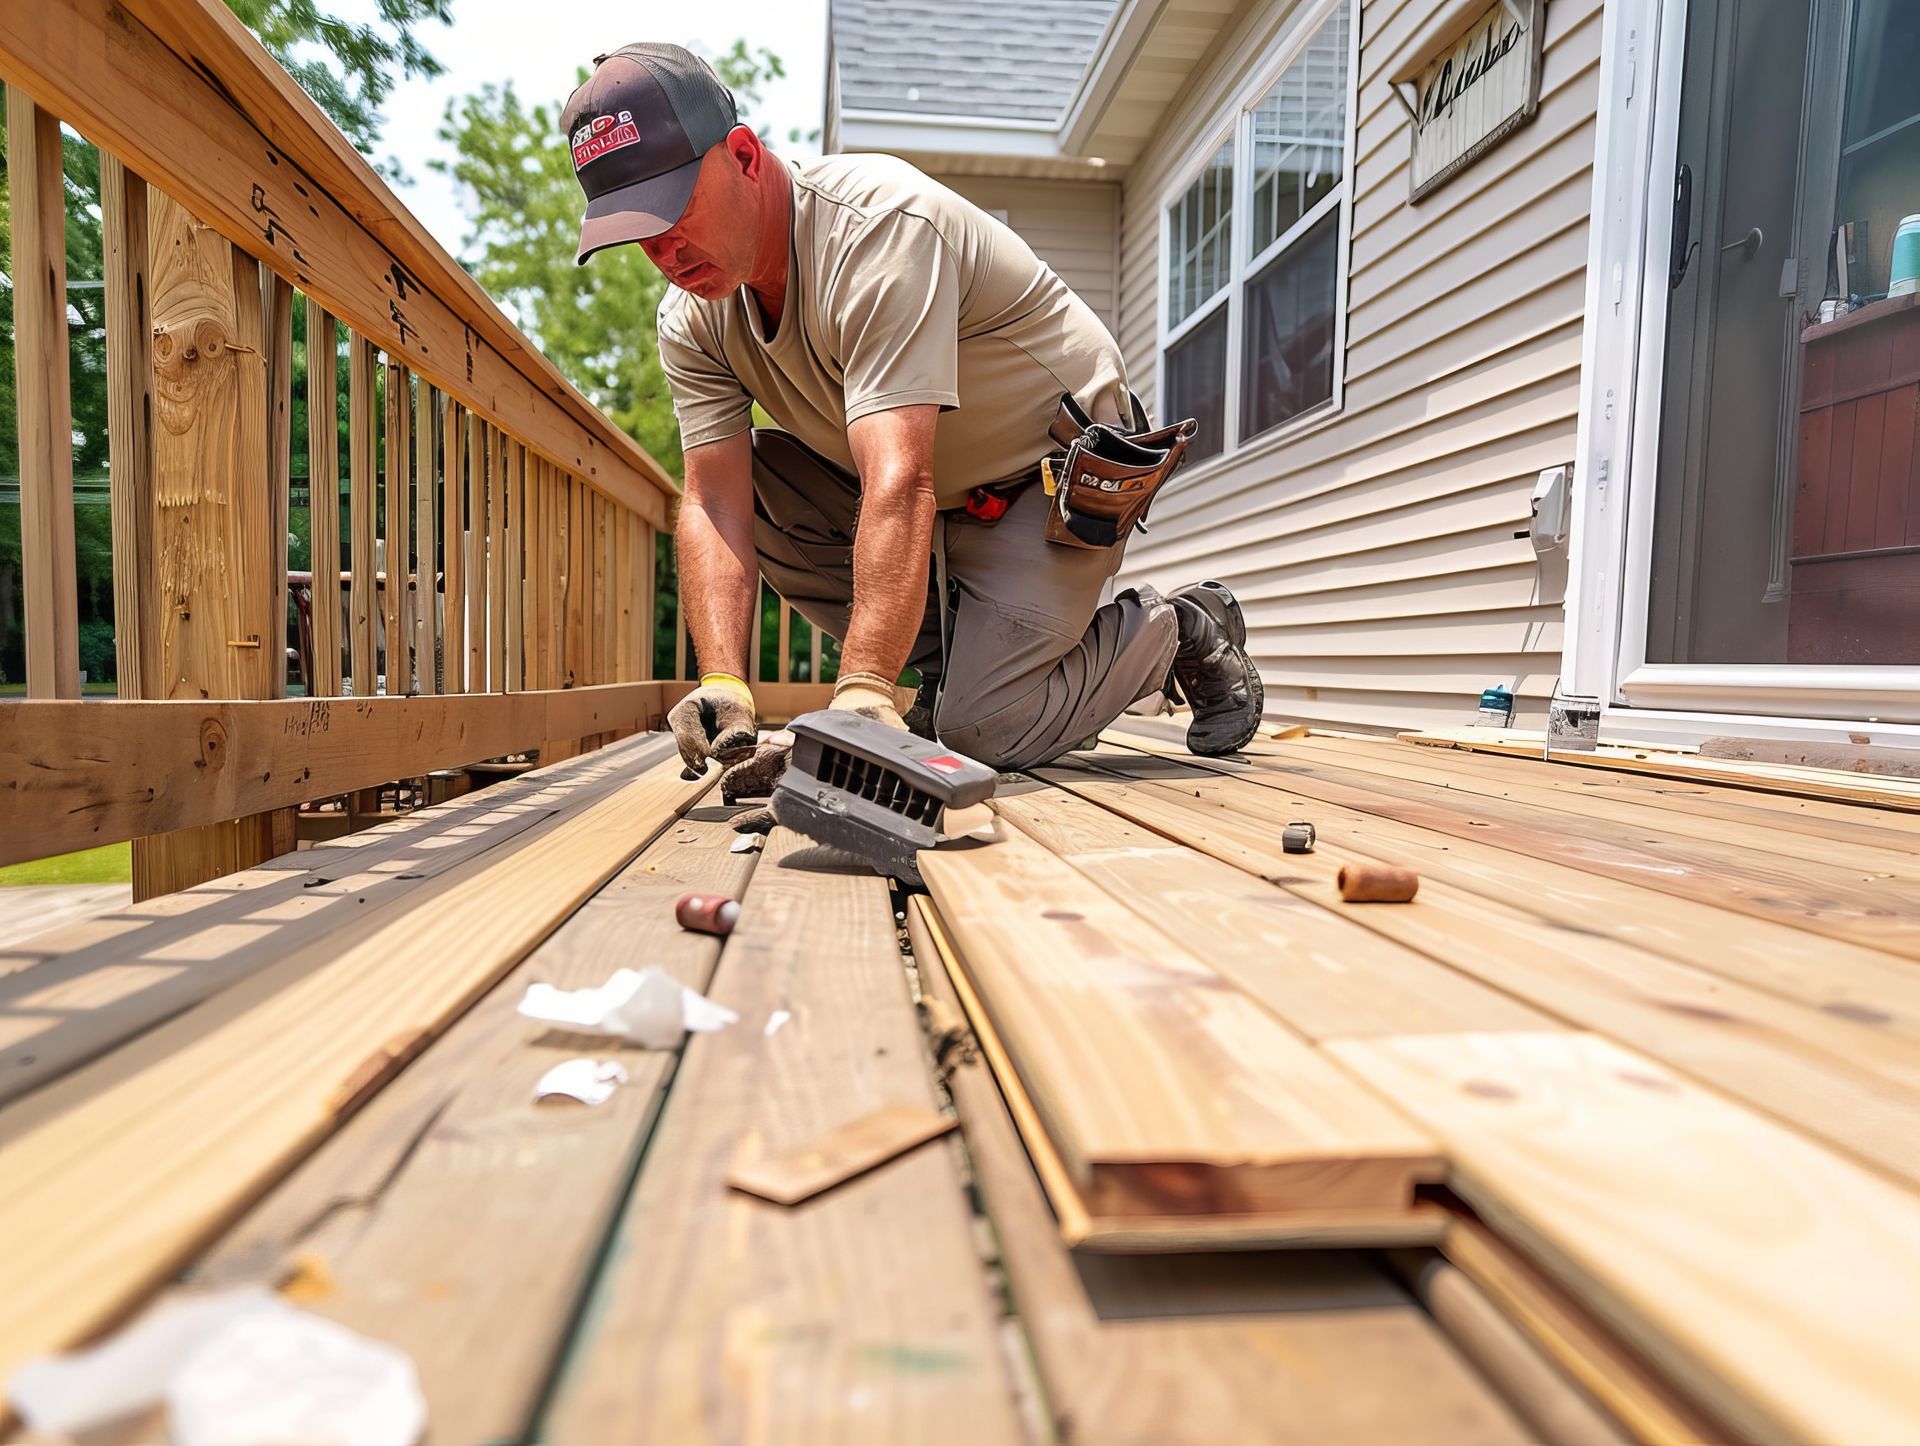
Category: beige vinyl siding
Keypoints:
(1071, 225)
(1375, 552)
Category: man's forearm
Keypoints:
(718, 584)
(890, 548)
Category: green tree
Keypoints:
(596, 321)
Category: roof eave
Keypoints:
(869, 130)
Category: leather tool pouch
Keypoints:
(1102, 488)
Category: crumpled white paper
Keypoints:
(649, 1007)
(590, 1081)
(234, 1367)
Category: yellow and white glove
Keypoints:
(715, 721)
(870, 695)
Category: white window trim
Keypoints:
(1604, 658)
(1236, 127)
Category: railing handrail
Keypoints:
(137, 76)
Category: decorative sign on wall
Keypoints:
(1477, 82)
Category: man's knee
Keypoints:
(988, 731)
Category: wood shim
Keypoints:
(1776, 1281)
(1165, 1089)
(118, 1172)
(840, 1154)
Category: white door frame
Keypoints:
(1617, 451)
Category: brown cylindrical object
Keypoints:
(1377, 884)
(706, 913)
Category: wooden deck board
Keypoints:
(454, 1217)
(862, 1315)
(1183, 1350)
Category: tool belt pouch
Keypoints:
(1102, 488)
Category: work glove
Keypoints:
(870, 695)
(714, 721)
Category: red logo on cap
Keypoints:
(603, 134)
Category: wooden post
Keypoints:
(323, 497)
(453, 523)
(427, 535)
(41, 389)
(123, 217)
(362, 505)
(477, 652)
(276, 308)
(213, 527)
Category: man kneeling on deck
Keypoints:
(914, 352)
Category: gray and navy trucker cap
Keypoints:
(638, 128)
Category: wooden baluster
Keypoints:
(476, 545)
(514, 468)
(496, 563)
(649, 550)
(41, 389)
(578, 583)
(362, 508)
(453, 546)
(785, 673)
(123, 217)
(605, 633)
(427, 536)
(399, 459)
(276, 309)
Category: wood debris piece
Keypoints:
(840, 1154)
(1377, 884)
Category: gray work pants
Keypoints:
(1037, 663)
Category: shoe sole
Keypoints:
(1221, 605)
(1258, 690)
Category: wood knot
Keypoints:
(213, 743)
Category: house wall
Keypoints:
(1374, 552)
(1073, 226)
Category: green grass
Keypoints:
(112, 864)
(91, 688)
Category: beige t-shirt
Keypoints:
(899, 292)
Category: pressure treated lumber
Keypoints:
(69, 997)
(206, 115)
(41, 376)
(1324, 974)
(1777, 1281)
(323, 498)
(1249, 1348)
(1544, 1398)
(843, 1152)
(1166, 1090)
(1624, 1383)
(1844, 1078)
(862, 1316)
(1849, 980)
(129, 348)
(1890, 793)
(363, 601)
(457, 1219)
(89, 774)
(1087, 1232)
(278, 1059)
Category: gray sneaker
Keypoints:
(1212, 672)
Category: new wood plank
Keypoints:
(1890, 793)
(1159, 1349)
(861, 1316)
(66, 998)
(1165, 1089)
(113, 1170)
(457, 1219)
(1869, 910)
(1322, 972)
(1777, 1281)
(92, 775)
(1843, 979)
(323, 497)
(43, 408)
(1843, 1080)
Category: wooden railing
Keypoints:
(491, 587)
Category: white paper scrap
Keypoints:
(128, 1371)
(774, 1021)
(648, 1006)
(746, 843)
(284, 1375)
(590, 1081)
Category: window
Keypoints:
(1254, 248)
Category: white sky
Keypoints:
(539, 46)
